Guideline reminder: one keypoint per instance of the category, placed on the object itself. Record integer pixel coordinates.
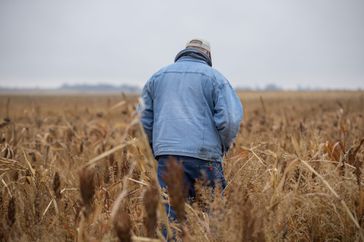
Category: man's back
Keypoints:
(188, 103)
(191, 116)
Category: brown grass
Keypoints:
(78, 168)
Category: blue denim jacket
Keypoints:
(190, 109)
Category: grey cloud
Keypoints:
(287, 42)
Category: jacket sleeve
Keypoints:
(228, 113)
(147, 114)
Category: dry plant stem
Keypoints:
(81, 227)
(138, 182)
(123, 193)
(93, 161)
(16, 164)
(262, 102)
(70, 127)
(199, 222)
(351, 216)
(334, 162)
(291, 165)
(7, 107)
(7, 188)
(143, 239)
(252, 151)
(236, 174)
(53, 200)
(69, 189)
(119, 104)
(46, 210)
(29, 165)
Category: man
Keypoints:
(191, 113)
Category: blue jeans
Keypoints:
(210, 172)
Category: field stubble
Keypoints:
(78, 168)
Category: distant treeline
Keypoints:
(77, 88)
(125, 88)
(101, 88)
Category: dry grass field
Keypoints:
(77, 168)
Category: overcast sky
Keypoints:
(316, 43)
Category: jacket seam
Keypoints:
(199, 61)
(189, 72)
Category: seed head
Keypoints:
(87, 187)
(174, 178)
(11, 212)
(57, 185)
(150, 201)
(122, 226)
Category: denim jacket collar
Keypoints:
(193, 54)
